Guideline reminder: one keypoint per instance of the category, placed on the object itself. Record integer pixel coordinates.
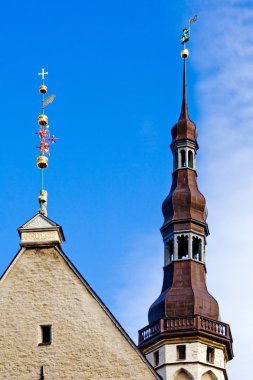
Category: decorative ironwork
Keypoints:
(43, 73)
(44, 134)
(186, 31)
(45, 140)
(48, 100)
(192, 20)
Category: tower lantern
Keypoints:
(185, 338)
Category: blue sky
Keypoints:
(115, 67)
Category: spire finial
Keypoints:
(45, 141)
(43, 73)
(185, 54)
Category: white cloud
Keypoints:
(225, 100)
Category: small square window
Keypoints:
(181, 352)
(46, 334)
(210, 355)
(156, 358)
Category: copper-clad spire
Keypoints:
(184, 128)
(184, 108)
(184, 299)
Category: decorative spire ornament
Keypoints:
(45, 141)
(185, 54)
(186, 36)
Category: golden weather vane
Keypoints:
(186, 36)
(45, 141)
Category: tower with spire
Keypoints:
(185, 338)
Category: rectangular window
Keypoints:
(156, 358)
(210, 355)
(181, 352)
(46, 334)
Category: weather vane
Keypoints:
(45, 141)
(186, 36)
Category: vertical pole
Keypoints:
(190, 246)
(41, 188)
(202, 250)
(42, 179)
(186, 158)
(165, 254)
(175, 248)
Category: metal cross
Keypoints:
(43, 73)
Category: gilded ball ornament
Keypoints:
(42, 120)
(42, 162)
(43, 89)
(185, 53)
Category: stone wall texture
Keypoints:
(39, 289)
(194, 366)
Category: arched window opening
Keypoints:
(169, 252)
(182, 247)
(171, 249)
(210, 352)
(156, 358)
(190, 159)
(183, 374)
(183, 158)
(209, 375)
(196, 248)
(175, 161)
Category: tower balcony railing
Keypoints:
(174, 325)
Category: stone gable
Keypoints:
(38, 221)
(42, 288)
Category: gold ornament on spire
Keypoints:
(186, 36)
(45, 141)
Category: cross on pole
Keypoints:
(43, 73)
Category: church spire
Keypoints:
(45, 141)
(185, 336)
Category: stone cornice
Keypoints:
(39, 231)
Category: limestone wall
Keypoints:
(41, 289)
(195, 363)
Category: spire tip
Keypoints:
(45, 141)
(186, 36)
